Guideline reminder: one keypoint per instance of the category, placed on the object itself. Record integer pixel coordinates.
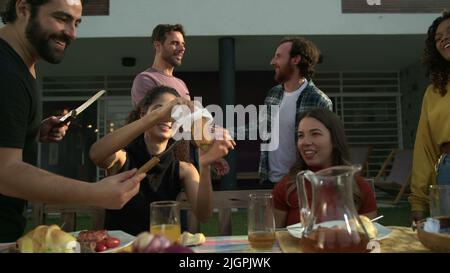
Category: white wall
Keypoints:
(136, 18)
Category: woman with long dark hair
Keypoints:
(137, 142)
(321, 144)
(431, 162)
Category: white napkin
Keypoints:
(432, 225)
(185, 118)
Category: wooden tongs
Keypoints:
(155, 160)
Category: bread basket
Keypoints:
(438, 242)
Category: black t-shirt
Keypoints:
(20, 118)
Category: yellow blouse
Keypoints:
(432, 131)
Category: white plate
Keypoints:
(383, 232)
(125, 239)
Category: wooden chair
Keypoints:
(360, 155)
(399, 176)
(68, 215)
(224, 201)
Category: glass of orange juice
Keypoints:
(165, 219)
(261, 222)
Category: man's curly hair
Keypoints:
(309, 53)
(436, 66)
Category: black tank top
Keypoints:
(162, 183)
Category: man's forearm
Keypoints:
(25, 181)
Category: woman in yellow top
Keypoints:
(433, 132)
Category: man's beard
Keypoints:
(284, 73)
(41, 41)
(170, 58)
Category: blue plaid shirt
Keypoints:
(311, 97)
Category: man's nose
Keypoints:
(272, 62)
(71, 31)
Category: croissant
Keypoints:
(48, 239)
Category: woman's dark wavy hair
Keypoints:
(309, 53)
(9, 14)
(436, 66)
(340, 153)
(148, 100)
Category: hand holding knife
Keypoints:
(53, 129)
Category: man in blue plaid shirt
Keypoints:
(294, 62)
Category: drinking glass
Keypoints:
(439, 200)
(261, 221)
(165, 219)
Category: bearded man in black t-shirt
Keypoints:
(39, 29)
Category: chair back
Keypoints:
(360, 155)
(68, 215)
(401, 167)
(399, 176)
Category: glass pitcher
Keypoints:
(329, 219)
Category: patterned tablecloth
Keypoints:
(231, 244)
(401, 239)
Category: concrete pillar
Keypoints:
(227, 97)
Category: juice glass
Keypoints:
(165, 219)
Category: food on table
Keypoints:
(370, 227)
(189, 239)
(47, 239)
(96, 241)
(149, 243)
